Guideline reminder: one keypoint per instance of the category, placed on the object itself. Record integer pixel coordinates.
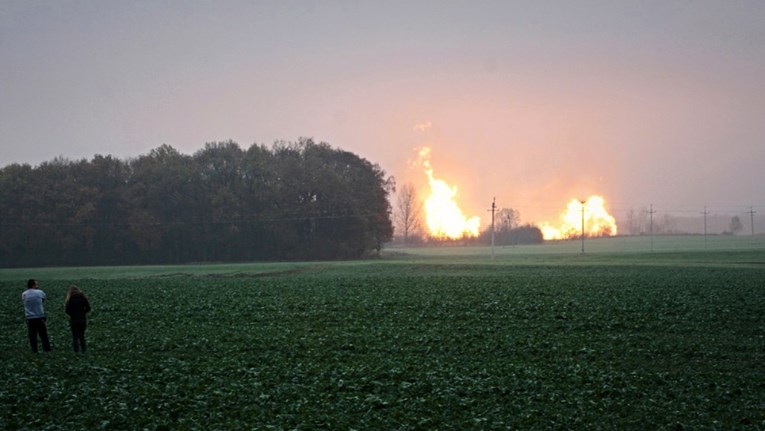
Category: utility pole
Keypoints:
(705, 226)
(751, 218)
(493, 208)
(582, 226)
(651, 213)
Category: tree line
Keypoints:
(296, 200)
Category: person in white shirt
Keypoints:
(34, 312)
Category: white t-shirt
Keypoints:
(33, 303)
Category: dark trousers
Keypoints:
(37, 327)
(78, 334)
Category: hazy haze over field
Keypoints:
(535, 103)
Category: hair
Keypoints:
(73, 290)
(31, 283)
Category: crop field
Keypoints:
(672, 340)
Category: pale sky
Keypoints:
(532, 102)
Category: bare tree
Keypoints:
(637, 221)
(508, 219)
(669, 224)
(735, 225)
(409, 212)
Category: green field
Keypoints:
(537, 338)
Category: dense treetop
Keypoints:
(295, 200)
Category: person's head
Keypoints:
(32, 283)
(73, 290)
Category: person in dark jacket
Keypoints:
(77, 307)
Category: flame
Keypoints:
(443, 216)
(597, 221)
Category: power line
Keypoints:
(751, 218)
(493, 208)
(651, 213)
(583, 202)
(705, 225)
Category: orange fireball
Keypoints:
(597, 220)
(443, 216)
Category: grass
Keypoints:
(537, 340)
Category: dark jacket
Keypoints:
(78, 307)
